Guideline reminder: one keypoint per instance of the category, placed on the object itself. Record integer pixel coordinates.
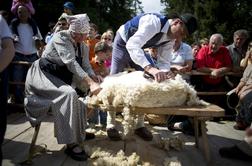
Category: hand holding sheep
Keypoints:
(158, 74)
(93, 82)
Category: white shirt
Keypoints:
(26, 43)
(4, 31)
(183, 54)
(149, 26)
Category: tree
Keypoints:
(104, 13)
(215, 16)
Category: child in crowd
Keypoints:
(26, 3)
(15, 22)
(102, 52)
(107, 37)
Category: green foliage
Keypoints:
(215, 16)
(104, 13)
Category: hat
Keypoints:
(190, 22)
(69, 5)
(79, 23)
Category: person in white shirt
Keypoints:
(26, 46)
(145, 31)
(7, 52)
(182, 58)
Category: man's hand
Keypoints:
(170, 75)
(159, 75)
(217, 73)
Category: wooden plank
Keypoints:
(17, 149)
(16, 124)
(193, 111)
(211, 93)
(221, 134)
(198, 73)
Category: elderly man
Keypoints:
(215, 60)
(145, 31)
(237, 52)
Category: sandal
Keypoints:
(81, 156)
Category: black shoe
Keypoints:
(81, 156)
(144, 133)
(234, 153)
(113, 134)
(89, 136)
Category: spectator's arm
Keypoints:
(7, 53)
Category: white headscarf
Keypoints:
(79, 23)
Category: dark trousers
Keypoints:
(3, 107)
(19, 74)
(120, 57)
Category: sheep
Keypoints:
(131, 90)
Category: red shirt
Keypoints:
(219, 59)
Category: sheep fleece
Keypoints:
(132, 89)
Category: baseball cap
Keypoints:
(190, 22)
(69, 5)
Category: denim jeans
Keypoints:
(245, 109)
(98, 116)
(19, 74)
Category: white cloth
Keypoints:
(79, 23)
(149, 25)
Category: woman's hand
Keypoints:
(95, 88)
(97, 78)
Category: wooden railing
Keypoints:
(213, 93)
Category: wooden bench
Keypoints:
(200, 115)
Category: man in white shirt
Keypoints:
(145, 31)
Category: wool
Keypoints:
(108, 158)
(133, 90)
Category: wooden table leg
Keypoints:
(196, 131)
(205, 141)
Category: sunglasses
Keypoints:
(62, 24)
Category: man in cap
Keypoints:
(145, 31)
(68, 8)
(49, 85)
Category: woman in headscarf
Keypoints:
(49, 85)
